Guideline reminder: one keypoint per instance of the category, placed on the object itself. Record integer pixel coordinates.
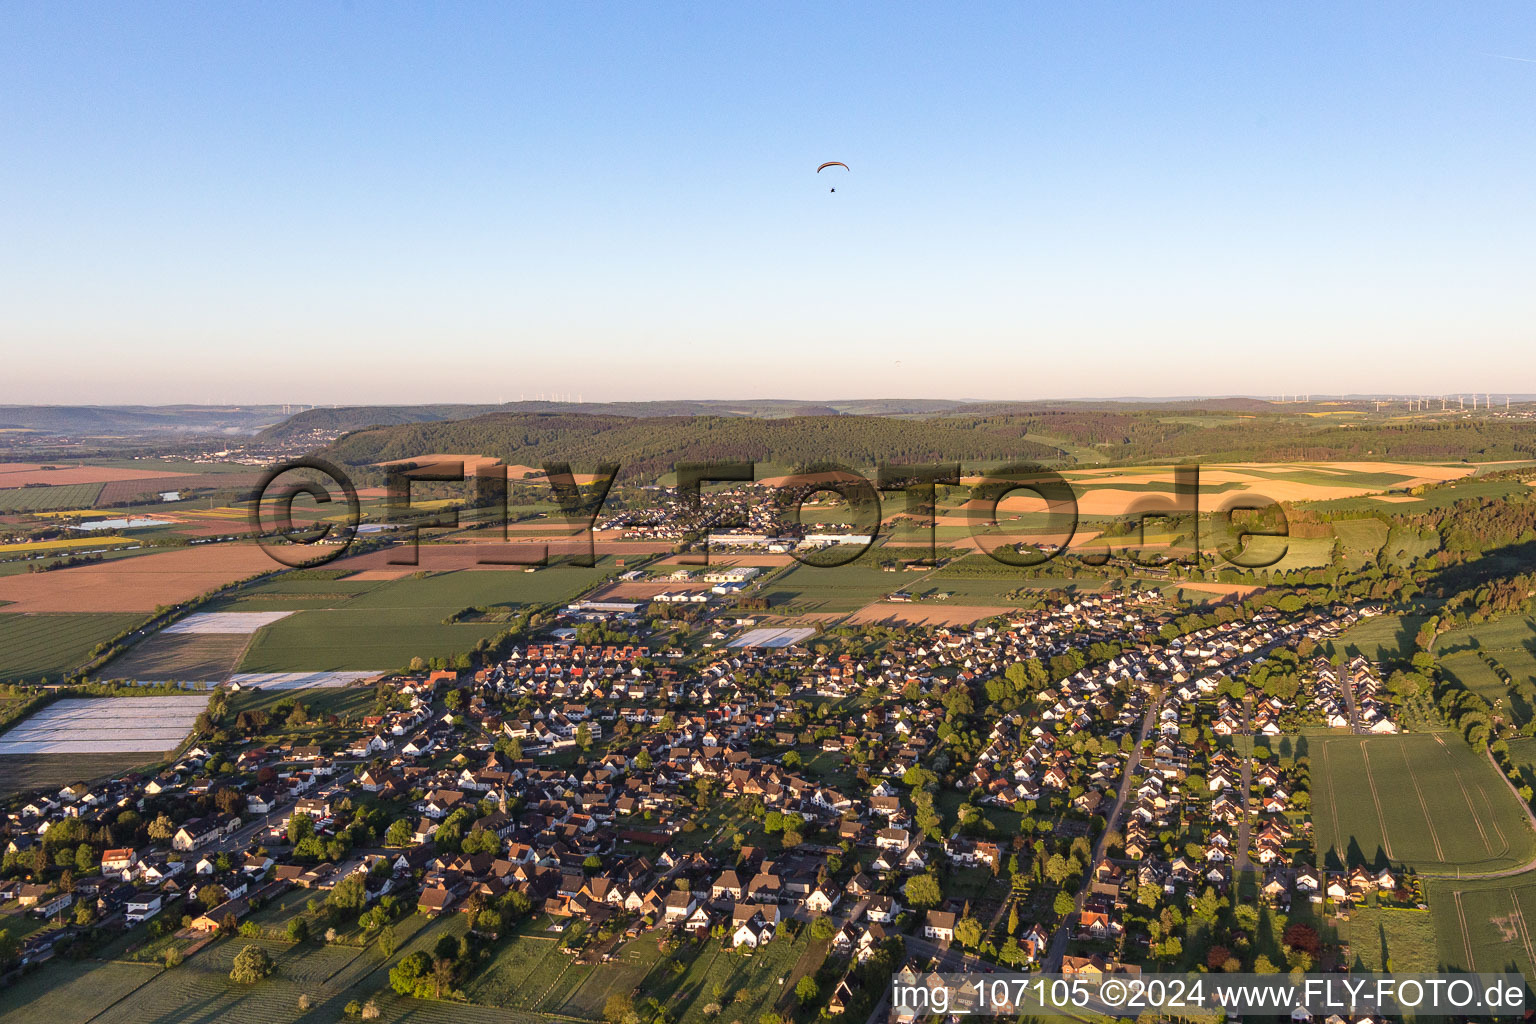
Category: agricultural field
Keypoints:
(64, 545)
(924, 613)
(120, 492)
(45, 499)
(117, 992)
(135, 584)
(383, 624)
(1422, 799)
(351, 702)
(749, 985)
(1472, 653)
(166, 656)
(1401, 502)
(22, 772)
(845, 588)
(1485, 925)
(1504, 638)
(66, 992)
(94, 725)
(625, 973)
(522, 970)
(35, 646)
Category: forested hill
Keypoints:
(646, 448)
(340, 420)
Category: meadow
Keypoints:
(1422, 799)
(1361, 539)
(1382, 637)
(1510, 644)
(1392, 939)
(1289, 554)
(1505, 638)
(1470, 670)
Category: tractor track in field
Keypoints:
(1418, 790)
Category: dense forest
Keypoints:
(648, 447)
(344, 419)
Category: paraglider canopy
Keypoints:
(833, 163)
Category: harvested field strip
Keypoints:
(178, 658)
(20, 474)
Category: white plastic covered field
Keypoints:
(104, 725)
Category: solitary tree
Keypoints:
(251, 965)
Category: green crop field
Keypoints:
(1424, 799)
(48, 499)
(974, 590)
(623, 974)
(749, 985)
(36, 645)
(845, 588)
(1484, 925)
(1510, 643)
(1439, 497)
(200, 991)
(384, 624)
(506, 981)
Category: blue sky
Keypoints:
(366, 202)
